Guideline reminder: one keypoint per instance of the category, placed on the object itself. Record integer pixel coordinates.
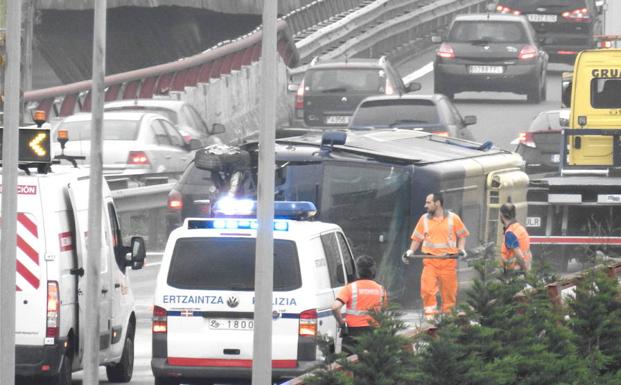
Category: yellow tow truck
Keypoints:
(576, 213)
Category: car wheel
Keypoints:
(439, 88)
(535, 93)
(166, 381)
(122, 372)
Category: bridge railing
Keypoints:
(211, 64)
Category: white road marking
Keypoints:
(419, 73)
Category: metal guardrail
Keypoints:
(213, 63)
(383, 28)
(317, 13)
(141, 198)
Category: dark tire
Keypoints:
(122, 372)
(439, 88)
(221, 158)
(536, 93)
(166, 381)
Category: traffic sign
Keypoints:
(34, 145)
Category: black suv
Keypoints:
(491, 52)
(564, 28)
(331, 90)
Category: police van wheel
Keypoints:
(122, 372)
(166, 381)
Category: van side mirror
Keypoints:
(138, 253)
(436, 39)
(469, 120)
(217, 128)
(340, 278)
(413, 86)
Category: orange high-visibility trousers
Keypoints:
(444, 278)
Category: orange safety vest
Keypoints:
(440, 239)
(360, 297)
(524, 241)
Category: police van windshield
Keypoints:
(228, 264)
(112, 130)
(606, 93)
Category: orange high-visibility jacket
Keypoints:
(524, 245)
(439, 237)
(360, 297)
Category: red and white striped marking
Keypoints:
(573, 240)
(28, 261)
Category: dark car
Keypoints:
(540, 146)
(491, 52)
(564, 28)
(429, 113)
(331, 90)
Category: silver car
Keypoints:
(133, 142)
(182, 114)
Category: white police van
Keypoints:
(52, 214)
(204, 296)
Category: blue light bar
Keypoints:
(244, 208)
(233, 224)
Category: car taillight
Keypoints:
(53, 310)
(175, 200)
(578, 15)
(527, 139)
(187, 138)
(160, 320)
(308, 323)
(446, 51)
(441, 133)
(528, 52)
(503, 9)
(138, 158)
(299, 97)
(389, 88)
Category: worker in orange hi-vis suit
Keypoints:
(515, 249)
(361, 297)
(440, 233)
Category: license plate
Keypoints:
(533, 222)
(555, 158)
(486, 69)
(337, 120)
(231, 324)
(536, 18)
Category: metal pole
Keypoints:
(264, 270)
(8, 239)
(29, 15)
(95, 199)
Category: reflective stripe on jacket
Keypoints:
(360, 297)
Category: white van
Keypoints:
(204, 297)
(52, 214)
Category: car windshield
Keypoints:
(168, 114)
(395, 113)
(207, 263)
(112, 130)
(534, 4)
(486, 32)
(337, 80)
(546, 121)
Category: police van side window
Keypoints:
(333, 257)
(117, 241)
(348, 259)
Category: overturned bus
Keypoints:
(374, 184)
